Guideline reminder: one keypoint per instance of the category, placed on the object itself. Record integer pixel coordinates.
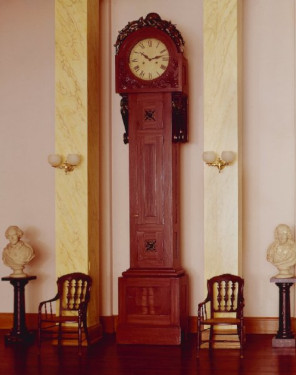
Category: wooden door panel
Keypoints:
(149, 179)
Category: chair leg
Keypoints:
(60, 335)
(79, 336)
(240, 328)
(211, 338)
(39, 336)
(86, 331)
(198, 337)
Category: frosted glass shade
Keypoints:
(228, 156)
(54, 160)
(209, 156)
(73, 159)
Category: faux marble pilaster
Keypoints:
(222, 122)
(76, 131)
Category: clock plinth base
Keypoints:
(142, 335)
(152, 310)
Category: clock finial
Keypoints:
(153, 16)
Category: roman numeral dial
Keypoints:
(149, 59)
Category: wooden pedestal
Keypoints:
(285, 336)
(152, 310)
(19, 332)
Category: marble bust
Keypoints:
(282, 252)
(16, 253)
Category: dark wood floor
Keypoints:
(106, 358)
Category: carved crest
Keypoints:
(151, 20)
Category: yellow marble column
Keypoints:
(77, 131)
(222, 131)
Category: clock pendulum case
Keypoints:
(151, 77)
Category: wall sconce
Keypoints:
(72, 161)
(213, 160)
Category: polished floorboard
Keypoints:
(108, 358)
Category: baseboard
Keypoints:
(254, 325)
(6, 322)
(109, 323)
(95, 333)
(263, 325)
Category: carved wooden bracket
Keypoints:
(179, 117)
(124, 115)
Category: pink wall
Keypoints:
(268, 143)
(27, 137)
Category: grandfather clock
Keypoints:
(151, 77)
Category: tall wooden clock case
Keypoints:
(151, 77)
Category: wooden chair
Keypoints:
(223, 306)
(72, 296)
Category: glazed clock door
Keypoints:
(149, 59)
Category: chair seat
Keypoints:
(60, 319)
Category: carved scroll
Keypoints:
(124, 115)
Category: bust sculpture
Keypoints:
(16, 253)
(282, 252)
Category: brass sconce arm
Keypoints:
(212, 160)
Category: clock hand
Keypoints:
(146, 57)
(157, 57)
(143, 54)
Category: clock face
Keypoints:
(149, 59)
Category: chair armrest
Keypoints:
(44, 303)
(201, 310)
